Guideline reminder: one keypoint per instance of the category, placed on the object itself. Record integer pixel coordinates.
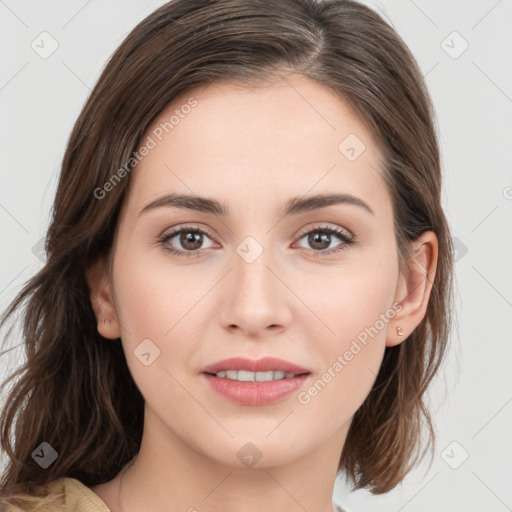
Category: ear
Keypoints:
(413, 291)
(101, 299)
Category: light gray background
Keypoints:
(472, 92)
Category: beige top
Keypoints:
(62, 495)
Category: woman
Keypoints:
(248, 282)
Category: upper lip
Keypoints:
(255, 365)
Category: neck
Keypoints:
(171, 476)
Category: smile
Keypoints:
(247, 376)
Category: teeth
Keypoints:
(246, 376)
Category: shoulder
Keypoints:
(62, 495)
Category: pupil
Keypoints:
(322, 238)
(194, 239)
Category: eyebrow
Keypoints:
(294, 206)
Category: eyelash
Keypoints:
(346, 238)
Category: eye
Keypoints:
(320, 238)
(190, 238)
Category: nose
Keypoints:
(256, 300)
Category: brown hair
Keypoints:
(75, 391)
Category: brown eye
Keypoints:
(185, 241)
(319, 239)
(191, 240)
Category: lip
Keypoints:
(264, 364)
(255, 393)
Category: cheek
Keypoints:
(156, 299)
(157, 309)
(347, 299)
(356, 307)
(351, 361)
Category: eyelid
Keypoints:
(325, 225)
(183, 227)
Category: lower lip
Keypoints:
(255, 393)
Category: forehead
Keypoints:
(284, 136)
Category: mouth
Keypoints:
(255, 382)
(241, 368)
(248, 376)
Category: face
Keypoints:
(315, 286)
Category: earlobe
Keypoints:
(102, 300)
(413, 290)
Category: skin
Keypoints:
(254, 149)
